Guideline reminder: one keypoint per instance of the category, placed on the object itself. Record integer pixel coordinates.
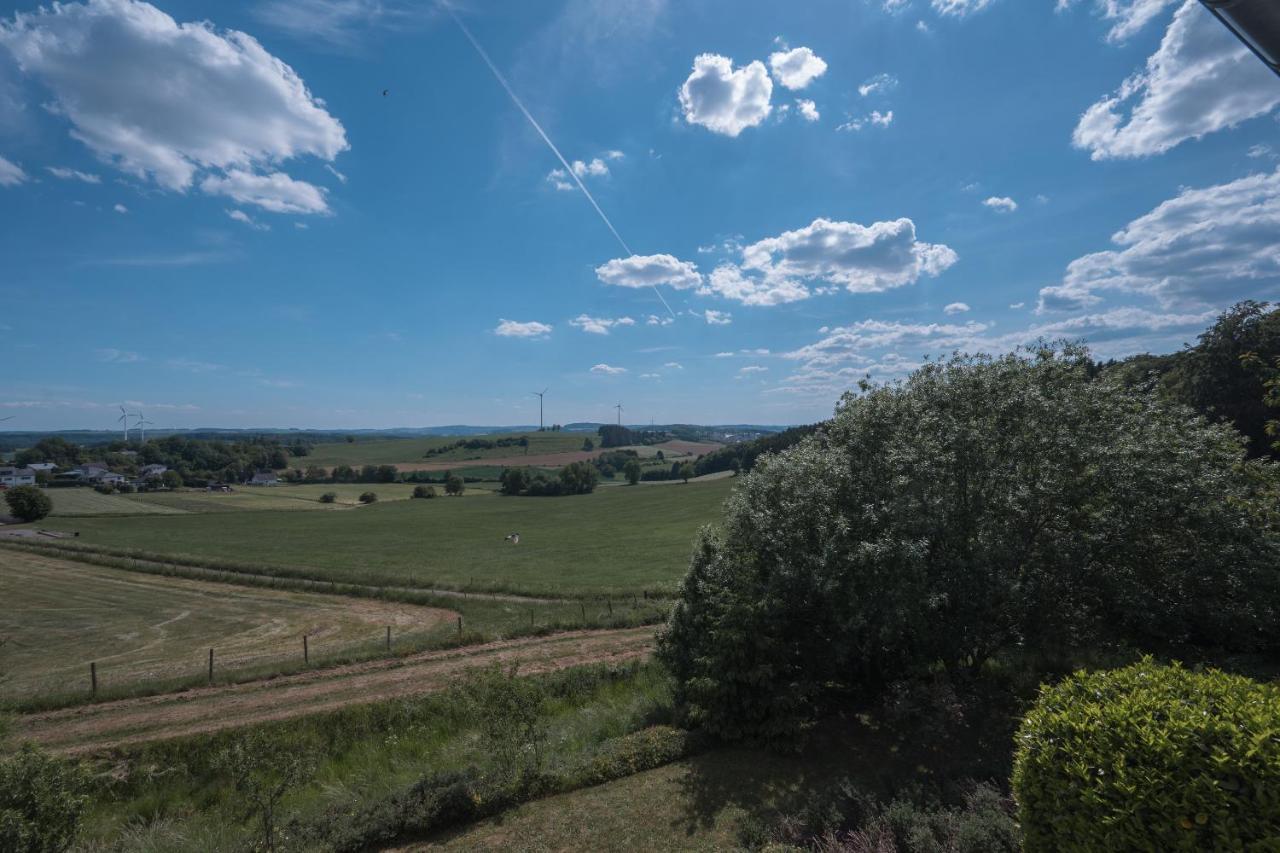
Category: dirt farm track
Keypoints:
(98, 727)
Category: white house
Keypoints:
(110, 478)
(149, 471)
(263, 478)
(42, 466)
(10, 476)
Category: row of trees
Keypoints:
(576, 478)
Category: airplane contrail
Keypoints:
(547, 139)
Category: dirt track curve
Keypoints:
(94, 728)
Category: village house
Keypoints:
(41, 466)
(11, 476)
(149, 471)
(263, 478)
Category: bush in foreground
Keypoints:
(424, 491)
(368, 497)
(42, 800)
(1150, 758)
(329, 497)
(982, 504)
(28, 503)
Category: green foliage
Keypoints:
(588, 445)
(329, 497)
(1211, 377)
(508, 712)
(28, 503)
(424, 491)
(632, 471)
(686, 471)
(982, 504)
(42, 800)
(263, 770)
(613, 435)
(1150, 758)
(453, 485)
(743, 455)
(576, 478)
(368, 497)
(55, 449)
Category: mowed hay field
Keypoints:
(60, 615)
(86, 501)
(616, 540)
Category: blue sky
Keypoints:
(210, 211)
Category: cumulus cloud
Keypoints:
(245, 219)
(1003, 204)
(797, 68)
(73, 174)
(599, 325)
(120, 208)
(11, 173)
(276, 192)
(516, 329)
(673, 365)
(649, 271)
(807, 109)
(608, 370)
(956, 308)
(715, 318)
(860, 258)
(1193, 249)
(877, 84)
(1200, 80)
(725, 100)
(1128, 17)
(165, 101)
(875, 118)
(596, 167)
(960, 8)
(655, 320)
(753, 368)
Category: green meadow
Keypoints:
(614, 541)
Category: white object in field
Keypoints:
(513, 538)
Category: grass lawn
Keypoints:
(615, 540)
(412, 450)
(85, 501)
(59, 615)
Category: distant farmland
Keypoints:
(412, 451)
(617, 540)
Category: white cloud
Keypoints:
(1017, 305)
(893, 6)
(875, 118)
(163, 100)
(648, 271)
(956, 308)
(716, 318)
(673, 365)
(650, 376)
(860, 258)
(246, 219)
(753, 368)
(607, 370)
(808, 109)
(599, 325)
(69, 174)
(11, 173)
(596, 167)
(1129, 16)
(1003, 204)
(877, 84)
(194, 366)
(724, 355)
(120, 208)
(730, 282)
(724, 100)
(795, 69)
(276, 192)
(341, 177)
(1258, 152)
(960, 8)
(655, 320)
(117, 356)
(341, 23)
(516, 329)
(1200, 80)
(1198, 248)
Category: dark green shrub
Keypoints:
(368, 497)
(1150, 758)
(329, 497)
(42, 799)
(983, 504)
(424, 491)
(28, 503)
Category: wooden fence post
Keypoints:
(584, 611)
(388, 638)
(610, 603)
(93, 678)
(459, 627)
(211, 666)
(306, 652)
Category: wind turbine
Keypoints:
(540, 395)
(124, 419)
(619, 408)
(142, 425)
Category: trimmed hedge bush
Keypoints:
(1150, 757)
